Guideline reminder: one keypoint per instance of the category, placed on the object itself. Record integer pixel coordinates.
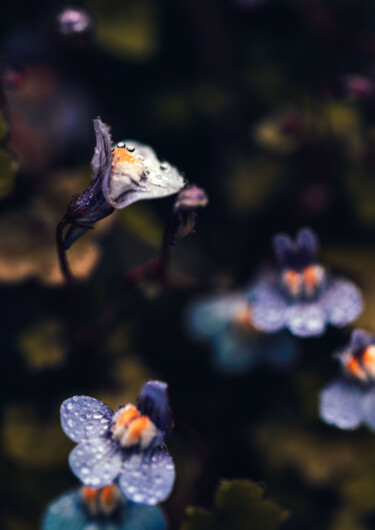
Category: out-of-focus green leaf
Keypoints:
(7, 172)
(128, 28)
(239, 505)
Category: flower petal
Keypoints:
(64, 513)
(368, 407)
(360, 339)
(139, 517)
(305, 320)
(233, 354)
(268, 307)
(283, 249)
(161, 180)
(280, 350)
(341, 404)
(84, 417)
(153, 402)
(96, 462)
(148, 478)
(342, 301)
(101, 163)
(208, 316)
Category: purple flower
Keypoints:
(350, 399)
(127, 173)
(127, 445)
(301, 295)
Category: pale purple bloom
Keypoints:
(128, 445)
(126, 173)
(349, 400)
(300, 294)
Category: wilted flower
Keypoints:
(128, 444)
(128, 173)
(100, 509)
(301, 295)
(226, 322)
(350, 399)
(186, 207)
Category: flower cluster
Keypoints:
(100, 509)
(350, 399)
(122, 174)
(226, 322)
(128, 445)
(301, 295)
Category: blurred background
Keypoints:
(270, 107)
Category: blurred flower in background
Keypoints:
(226, 323)
(100, 509)
(301, 295)
(350, 400)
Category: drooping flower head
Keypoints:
(100, 509)
(127, 173)
(226, 323)
(128, 445)
(189, 202)
(300, 294)
(350, 399)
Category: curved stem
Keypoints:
(64, 265)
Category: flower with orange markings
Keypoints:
(100, 508)
(128, 445)
(300, 294)
(123, 174)
(349, 400)
(226, 323)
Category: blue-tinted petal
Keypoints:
(341, 404)
(84, 417)
(368, 407)
(360, 339)
(305, 320)
(148, 478)
(64, 513)
(96, 462)
(234, 354)
(268, 307)
(281, 350)
(139, 517)
(283, 249)
(308, 245)
(153, 402)
(206, 317)
(342, 301)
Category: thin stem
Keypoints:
(64, 265)
(165, 254)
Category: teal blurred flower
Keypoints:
(100, 509)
